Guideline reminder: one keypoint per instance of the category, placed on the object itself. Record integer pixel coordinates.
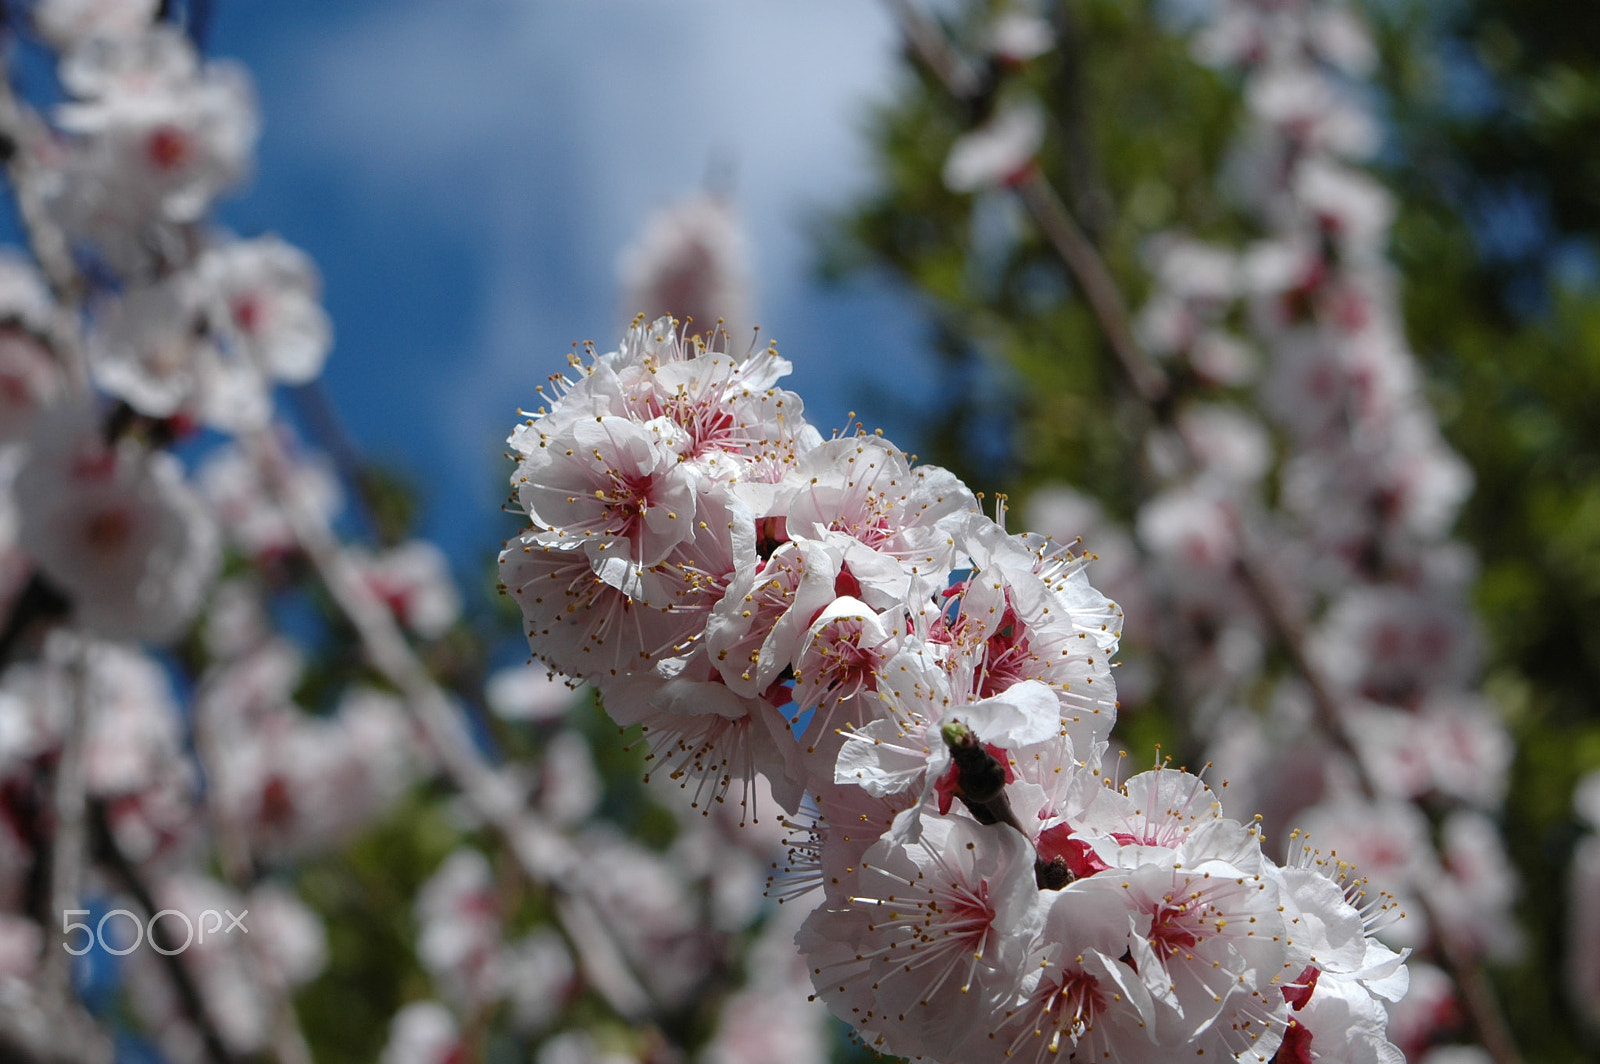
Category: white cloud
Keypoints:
(540, 136)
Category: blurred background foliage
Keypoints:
(1492, 129)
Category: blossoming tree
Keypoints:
(261, 799)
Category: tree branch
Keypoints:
(546, 855)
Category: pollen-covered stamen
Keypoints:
(614, 482)
(1006, 657)
(626, 503)
(867, 490)
(1065, 1006)
(1177, 925)
(579, 623)
(849, 667)
(870, 507)
(710, 752)
(1208, 930)
(1167, 805)
(801, 870)
(704, 415)
(940, 921)
(841, 658)
(1377, 908)
(744, 634)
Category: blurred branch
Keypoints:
(51, 1025)
(171, 953)
(928, 44)
(37, 1030)
(322, 422)
(1478, 996)
(546, 855)
(69, 803)
(1100, 290)
(19, 129)
(1086, 190)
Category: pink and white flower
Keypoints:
(115, 528)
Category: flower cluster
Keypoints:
(1374, 740)
(930, 697)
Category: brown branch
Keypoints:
(20, 129)
(69, 806)
(35, 1029)
(928, 44)
(51, 1025)
(1099, 289)
(183, 982)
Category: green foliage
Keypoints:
(363, 895)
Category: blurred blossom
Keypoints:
(423, 1032)
(68, 23)
(458, 920)
(114, 527)
(1582, 945)
(538, 976)
(238, 490)
(413, 579)
(691, 262)
(569, 786)
(1019, 35)
(1586, 800)
(529, 692)
(21, 947)
(998, 152)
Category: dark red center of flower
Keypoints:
(248, 312)
(109, 529)
(277, 803)
(168, 148)
(627, 503)
(845, 585)
(1173, 930)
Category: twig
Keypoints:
(545, 855)
(322, 422)
(1329, 707)
(1082, 259)
(20, 129)
(34, 1030)
(69, 804)
(188, 991)
(52, 1025)
(928, 42)
(1100, 291)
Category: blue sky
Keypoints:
(465, 173)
